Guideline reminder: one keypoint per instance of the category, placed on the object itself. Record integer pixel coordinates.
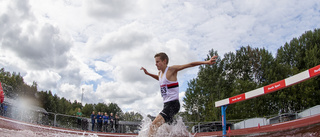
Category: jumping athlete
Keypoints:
(169, 87)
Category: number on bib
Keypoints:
(163, 91)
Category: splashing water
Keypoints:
(178, 129)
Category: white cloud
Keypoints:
(109, 9)
(45, 79)
(181, 96)
(100, 45)
(126, 38)
(102, 66)
(69, 91)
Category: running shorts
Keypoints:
(169, 110)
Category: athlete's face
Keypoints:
(159, 63)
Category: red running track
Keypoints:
(42, 130)
(293, 124)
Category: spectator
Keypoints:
(99, 121)
(2, 109)
(111, 122)
(79, 115)
(105, 121)
(93, 120)
(5, 107)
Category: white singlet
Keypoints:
(169, 89)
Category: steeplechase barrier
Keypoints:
(295, 79)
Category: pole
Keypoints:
(55, 120)
(82, 95)
(224, 123)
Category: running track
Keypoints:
(302, 122)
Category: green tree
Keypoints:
(114, 108)
(202, 92)
(131, 116)
(102, 107)
(87, 110)
(299, 55)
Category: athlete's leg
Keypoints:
(157, 122)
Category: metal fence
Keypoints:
(251, 122)
(197, 127)
(37, 115)
(83, 123)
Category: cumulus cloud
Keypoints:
(46, 79)
(99, 46)
(39, 45)
(102, 66)
(126, 38)
(110, 8)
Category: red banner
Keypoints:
(237, 98)
(314, 71)
(1, 90)
(274, 87)
(1, 94)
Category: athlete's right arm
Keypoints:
(151, 75)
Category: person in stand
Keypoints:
(111, 122)
(93, 120)
(105, 122)
(79, 115)
(5, 107)
(116, 123)
(99, 121)
(169, 88)
(2, 109)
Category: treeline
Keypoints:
(251, 68)
(15, 87)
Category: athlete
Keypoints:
(169, 87)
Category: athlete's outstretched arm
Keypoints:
(192, 64)
(151, 75)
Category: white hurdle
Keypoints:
(295, 79)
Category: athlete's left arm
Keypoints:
(192, 64)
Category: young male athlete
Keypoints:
(169, 86)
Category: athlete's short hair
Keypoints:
(162, 56)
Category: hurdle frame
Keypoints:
(295, 79)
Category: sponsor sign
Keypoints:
(237, 98)
(274, 87)
(314, 71)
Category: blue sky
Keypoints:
(100, 45)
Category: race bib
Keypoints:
(163, 90)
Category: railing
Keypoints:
(197, 127)
(64, 121)
(70, 122)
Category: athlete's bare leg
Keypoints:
(157, 122)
